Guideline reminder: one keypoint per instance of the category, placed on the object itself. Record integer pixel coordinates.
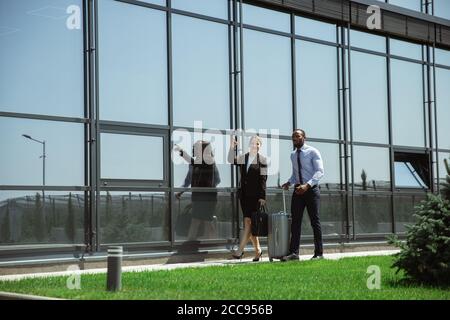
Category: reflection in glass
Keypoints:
(407, 104)
(332, 211)
(134, 217)
(371, 168)
(406, 49)
(25, 218)
(39, 48)
(21, 162)
(267, 82)
(315, 29)
(203, 215)
(126, 156)
(372, 214)
(213, 8)
(331, 165)
(132, 63)
(265, 18)
(369, 98)
(367, 41)
(200, 73)
(443, 107)
(404, 209)
(219, 145)
(314, 108)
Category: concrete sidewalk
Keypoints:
(156, 267)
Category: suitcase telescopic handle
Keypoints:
(284, 202)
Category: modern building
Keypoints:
(95, 93)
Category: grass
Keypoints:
(324, 279)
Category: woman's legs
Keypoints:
(247, 234)
(256, 245)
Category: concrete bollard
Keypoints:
(114, 275)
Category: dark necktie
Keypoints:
(299, 164)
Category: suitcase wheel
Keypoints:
(270, 259)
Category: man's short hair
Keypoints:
(302, 131)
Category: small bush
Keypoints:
(425, 256)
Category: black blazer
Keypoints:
(253, 182)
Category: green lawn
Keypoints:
(324, 279)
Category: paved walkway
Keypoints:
(155, 267)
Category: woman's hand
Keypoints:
(233, 142)
(262, 202)
(178, 195)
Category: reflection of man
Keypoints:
(307, 170)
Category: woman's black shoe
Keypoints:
(258, 257)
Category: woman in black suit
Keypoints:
(252, 189)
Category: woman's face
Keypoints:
(254, 145)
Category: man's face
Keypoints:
(298, 139)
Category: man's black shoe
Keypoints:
(317, 257)
(290, 257)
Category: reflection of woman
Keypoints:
(202, 173)
(252, 190)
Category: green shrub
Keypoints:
(425, 255)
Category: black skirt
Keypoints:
(249, 205)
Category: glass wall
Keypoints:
(41, 57)
(200, 73)
(132, 63)
(369, 98)
(317, 113)
(267, 82)
(407, 104)
(163, 76)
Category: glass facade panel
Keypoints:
(369, 98)
(331, 165)
(203, 216)
(371, 168)
(266, 18)
(317, 114)
(213, 8)
(442, 8)
(442, 57)
(134, 216)
(407, 104)
(367, 41)
(41, 57)
(443, 107)
(132, 63)
(200, 73)
(22, 162)
(220, 145)
(25, 218)
(332, 211)
(406, 49)
(267, 82)
(315, 29)
(372, 214)
(277, 152)
(408, 4)
(158, 2)
(404, 209)
(126, 156)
